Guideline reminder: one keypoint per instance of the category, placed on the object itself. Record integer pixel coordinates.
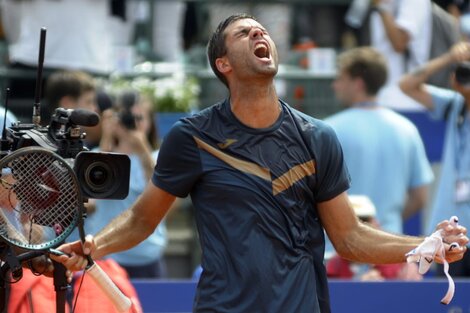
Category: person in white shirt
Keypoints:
(401, 31)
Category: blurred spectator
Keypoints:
(155, 29)
(276, 17)
(383, 150)
(72, 89)
(320, 23)
(453, 190)
(93, 134)
(337, 267)
(168, 22)
(401, 31)
(461, 10)
(130, 129)
(454, 7)
(77, 33)
(78, 37)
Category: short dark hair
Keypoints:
(216, 47)
(72, 83)
(366, 63)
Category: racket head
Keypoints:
(40, 199)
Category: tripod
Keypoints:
(11, 272)
(60, 286)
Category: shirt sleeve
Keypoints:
(411, 16)
(178, 164)
(332, 174)
(441, 99)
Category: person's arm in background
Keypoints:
(416, 200)
(134, 140)
(107, 126)
(144, 151)
(413, 83)
(399, 37)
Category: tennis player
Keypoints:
(265, 180)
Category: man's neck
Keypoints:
(256, 107)
(364, 101)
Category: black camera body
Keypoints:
(127, 119)
(103, 175)
(462, 73)
(124, 109)
(100, 175)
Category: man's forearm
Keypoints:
(122, 233)
(387, 248)
(413, 83)
(422, 74)
(398, 37)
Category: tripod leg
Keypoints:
(4, 290)
(3, 296)
(61, 286)
(10, 268)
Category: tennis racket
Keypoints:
(40, 205)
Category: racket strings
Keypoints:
(43, 200)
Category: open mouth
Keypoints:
(262, 51)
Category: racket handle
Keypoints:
(120, 301)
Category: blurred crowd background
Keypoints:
(153, 53)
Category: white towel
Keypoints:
(425, 253)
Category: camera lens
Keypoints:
(103, 175)
(98, 176)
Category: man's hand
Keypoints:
(447, 244)
(42, 265)
(454, 237)
(76, 252)
(460, 52)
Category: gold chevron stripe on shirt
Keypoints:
(292, 176)
(280, 184)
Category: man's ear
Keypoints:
(67, 102)
(223, 65)
(360, 83)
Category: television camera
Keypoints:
(53, 174)
(100, 175)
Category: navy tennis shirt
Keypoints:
(255, 193)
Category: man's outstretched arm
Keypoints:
(124, 232)
(360, 242)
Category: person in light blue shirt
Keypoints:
(452, 196)
(145, 259)
(129, 128)
(383, 150)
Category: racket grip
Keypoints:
(120, 301)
